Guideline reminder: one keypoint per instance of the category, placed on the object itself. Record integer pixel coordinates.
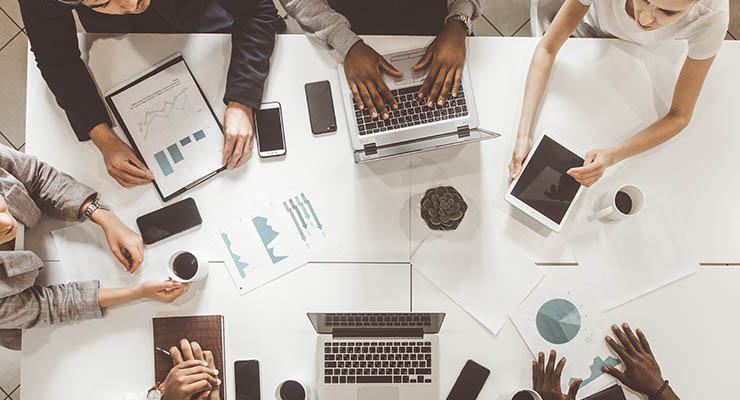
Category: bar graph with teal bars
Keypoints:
(185, 141)
(175, 153)
(200, 135)
(164, 163)
(267, 234)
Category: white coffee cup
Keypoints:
(188, 265)
(293, 389)
(627, 200)
(534, 395)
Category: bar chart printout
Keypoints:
(172, 126)
(268, 239)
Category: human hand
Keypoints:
(193, 351)
(120, 161)
(641, 370)
(596, 162)
(445, 58)
(238, 134)
(546, 380)
(124, 243)
(364, 67)
(165, 291)
(521, 150)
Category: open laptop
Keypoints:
(377, 356)
(414, 127)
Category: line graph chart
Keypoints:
(178, 102)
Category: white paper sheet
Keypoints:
(478, 268)
(84, 254)
(173, 127)
(627, 259)
(270, 238)
(585, 330)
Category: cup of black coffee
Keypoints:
(526, 394)
(185, 266)
(627, 200)
(292, 389)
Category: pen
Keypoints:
(165, 352)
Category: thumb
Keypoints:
(573, 390)
(424, 62)
(615, 373)
(389, 69)
(204, 395)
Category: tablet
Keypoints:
(544, 190)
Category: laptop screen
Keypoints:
(329, 323)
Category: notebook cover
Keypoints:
(207, 330)
(611, 393)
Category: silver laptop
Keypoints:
(414, 127)
(377, 356)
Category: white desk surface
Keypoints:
(591, 101)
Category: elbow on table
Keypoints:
(680, 119)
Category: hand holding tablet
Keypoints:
(544, 190)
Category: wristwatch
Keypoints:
(465, 20)
(92, 207)
(154, 394)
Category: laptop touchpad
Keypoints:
(377, 393)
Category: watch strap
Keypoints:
(465, 20)
(656, 395)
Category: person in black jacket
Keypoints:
(51, 31)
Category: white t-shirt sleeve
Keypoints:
(586, 2)
(706, 39)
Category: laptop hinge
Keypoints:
(378, 332)
(371, 149)
(463, 131)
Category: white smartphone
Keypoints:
(270, 134)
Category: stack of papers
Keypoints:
(627, 259)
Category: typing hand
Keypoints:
(164, 291)
(596, 162)
(521, 149)
(190, 376)
(364, 67)
(642, 372)
(238, 134)
(120, 160)
(445, 59)
(193, 351)
(546, 379)
(124, 243)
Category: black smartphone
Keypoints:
(470, 382)
(168, 221)
(270, 134)
(247, 378)
(320, 107)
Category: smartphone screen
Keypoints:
(168, 221)
(470, 382)
(270, 130)
(247, 378)
(320, 107)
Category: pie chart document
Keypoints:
(560, 314)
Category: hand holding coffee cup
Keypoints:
(185, 266)
(626, 201)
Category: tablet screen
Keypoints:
(544, 184)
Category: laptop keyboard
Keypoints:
(377, 362)
(411, 111)
(396, 320)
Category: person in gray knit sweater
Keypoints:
(335, 24)
(29, 187)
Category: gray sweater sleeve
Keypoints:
(332, 30)
(51, 305)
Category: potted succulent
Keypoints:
(443, 208)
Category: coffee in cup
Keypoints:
(292, 389)
(185, 266)
(627, 200)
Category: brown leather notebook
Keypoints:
(207, 330)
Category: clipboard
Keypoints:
(117, 113)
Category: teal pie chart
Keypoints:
(558, 321)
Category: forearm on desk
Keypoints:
(537, 78)
(654, 135)
(50, 305)
(108, 297)
(322, 24)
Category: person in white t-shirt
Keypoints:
(702, 23)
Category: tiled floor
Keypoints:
(502, 18)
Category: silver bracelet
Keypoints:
(94, 206)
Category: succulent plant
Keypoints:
(443, 208)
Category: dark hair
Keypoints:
(71, 2)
